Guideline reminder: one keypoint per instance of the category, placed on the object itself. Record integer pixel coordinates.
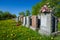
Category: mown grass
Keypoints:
(9, 31)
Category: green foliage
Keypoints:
(27, 12)
(37, 7)
(13, 15)
(53, 3)
(9, 31)
(1, 14)
(22, 13)
(6, 15)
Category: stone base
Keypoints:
(44, 33)
(27, 26)
(23, 24)
(32, 28)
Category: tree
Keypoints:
(27, 12)
(37, 7)
(7, 15)
(22, 13)
(1, 14)
(52, 3)
(14, 16)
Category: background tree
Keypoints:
(22, 13)
(14, 16)
(6, 15)
(27, 12)
(52, 3)
(37, 7)
(1, 14)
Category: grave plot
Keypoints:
(21, 18)
(48, 24)
(48, 21)
(27, 21)
(34, 22)
(16, 19)
(45, 27)
(24, 21)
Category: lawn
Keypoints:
(9, 31)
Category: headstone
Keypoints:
(45, 27)
(16, 19)
(34, 22)
(48, 21)
(27, 21)
(21, 18)
(24, 21)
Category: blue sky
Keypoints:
(16, 6)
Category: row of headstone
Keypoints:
(34, 22)
(45, 23)
(26, 21)
(31, 21)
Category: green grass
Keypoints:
(9, 31)
(59, 26)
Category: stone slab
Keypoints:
(24, 20)
(45, 27)
(27, 21)
(34, 21)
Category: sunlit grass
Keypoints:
(9, 31)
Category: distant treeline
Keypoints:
(6, 15)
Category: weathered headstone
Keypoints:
(45, 27)
(24, 21)
(34, 22)
(21, 18)
(16, 19)
(48, 21)
(27, 21)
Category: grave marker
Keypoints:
(34, 22)
(27, 21)
(24, 21)
(21, 18)
(45, 27)
(48, 21)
